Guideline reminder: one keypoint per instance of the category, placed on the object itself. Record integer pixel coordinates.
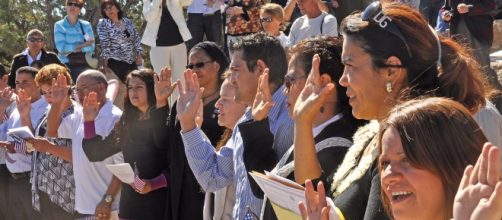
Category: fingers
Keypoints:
(465, 179)
(314, 76)
(165, 74)
(91, 100)
(322, 194)
(303, 210)
(483, 168)
(180, 87)
(266, 87)
(495, 201)
(475, 172)
(493, 171)
(310, 196)
(325, 213)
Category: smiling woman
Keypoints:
(425, 146)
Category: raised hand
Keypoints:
(163, 86)
(23, 103)
(263, 100)
(91, 106)
(6, 98)
(59, 89)
(312, 96)
(199, 118)
(479, 195)
(189, 100)
(316, 207)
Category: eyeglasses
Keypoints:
(35, 39)
(289, 80)
(266, 19)
(374, 13)
(198, 65)
(74, 4)
(109, 7)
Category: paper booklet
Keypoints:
(22, 133)
(123, 171)
(285, 195)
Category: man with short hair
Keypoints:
(94, 195)
(30, 108)
(314, 22)
(251, 56)
(34, 52)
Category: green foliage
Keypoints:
(17, 17)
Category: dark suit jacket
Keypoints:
(478, 19)
(21, 60)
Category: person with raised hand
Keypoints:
(53, 186)
(479, 194)
(140, 135)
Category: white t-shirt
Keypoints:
(91, 178)
(22, 162)
(283, 39)
(304, 27)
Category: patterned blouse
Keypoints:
(247, 23)
(52, 175)
(119, 42)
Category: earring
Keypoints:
(389, 87)
(322, 109)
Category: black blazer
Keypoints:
(21, 60)
(479, 20)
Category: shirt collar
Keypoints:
(26, 52)
(279, 99)
(318, 129)
(107, 107)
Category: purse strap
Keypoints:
(81, 28)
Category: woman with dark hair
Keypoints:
(386, 61)
(332, 126)
(140, 135)
(208, 62)
(120, 43)
(424, 146)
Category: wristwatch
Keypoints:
(108, 198)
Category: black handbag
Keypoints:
(77, 58)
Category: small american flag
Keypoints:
(5, 116)
(19, 144)
(250, 215)
(138, 183)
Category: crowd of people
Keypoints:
(362, 102)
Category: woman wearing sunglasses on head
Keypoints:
(120, 43)
(390, 54)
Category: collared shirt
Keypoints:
(91, 178)
(67, 37)
(215, 170)
(21, 162)
(30, 59)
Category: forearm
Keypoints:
(323, 6)
(26, 121)
(288, 10)
(113, 187)
(308, 167)
(212, 170)
(63, 152)
(53, 120)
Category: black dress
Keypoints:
(186, 195)
(144, 143)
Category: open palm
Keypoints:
(189, 100)
(263, 100)
(312, 96)
(91, 106)
(163, 84)
(59, 89)
(23, 103)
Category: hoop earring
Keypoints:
(388, 86)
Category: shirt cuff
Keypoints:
(192, 138)
(158, 182)
(89, 129)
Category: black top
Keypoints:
(187, 196)
(478, 20)
(329, 158)
(21, 60)
(143, 143)
(169, 34)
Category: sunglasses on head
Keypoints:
(35, 39)
(74, 4)
(197, 65)
(374, 13)
(267, 19)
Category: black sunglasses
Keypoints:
(267, 19)
(35, 39)
(374, 13)
(74, 4)
(197, 65)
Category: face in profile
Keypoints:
(294, 82)
(365, 85)
(244, 81)
(137, 93)
(229, 110)
(413, 192)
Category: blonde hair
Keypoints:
(275, 10)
